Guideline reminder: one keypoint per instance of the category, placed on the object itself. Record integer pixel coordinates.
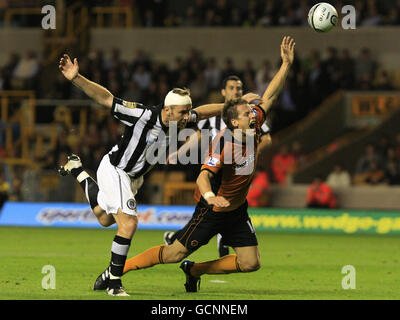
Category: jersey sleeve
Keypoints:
(215, 159)
(127, 112)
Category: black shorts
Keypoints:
(234, 226)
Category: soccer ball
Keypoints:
(322, 17)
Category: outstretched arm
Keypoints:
(215, 109)
(208, 110)
(70, 70)
(276, 85)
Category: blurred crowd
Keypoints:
(147, 80)
(225, 13)
(379, 164)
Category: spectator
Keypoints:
(383, 81)
(222, 11)
(263, 77)
(374, 175)
(25, 72)
(269, 14)
(258, 195)
(346, 70)
(200, 9)
(211, 19)
(383, 146)
(370, 155)
(283, 163)
(393, 18)
(339, 178)
(132, 92)
(252, 20)
(149, 20)
(392, 173)
(212, 75)
(142, 77)
(365, 66)
(298, 153)
(320, 195)
(190, 19)
(372, 17)
(236, 19)
(229, 69)
(198, 89)
(332, 68)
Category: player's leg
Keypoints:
(188, 239)
(223, 249)
(89, 187)
(248, 258)
(161, 254)
(241, 236)
(127, 225)
(117, 197)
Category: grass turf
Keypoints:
(294, 266)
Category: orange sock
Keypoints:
(146, 259)
(226, 264)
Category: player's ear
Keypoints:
(234, 123)
(223, 92)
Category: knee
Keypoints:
(250, 266)
(106, 222)
(174, 254)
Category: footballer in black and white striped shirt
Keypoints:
(120, 173)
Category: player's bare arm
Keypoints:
(276, 85)
(215, 109)
(209, 110)
(70, 70)
(203, 182)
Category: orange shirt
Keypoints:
(232, 163)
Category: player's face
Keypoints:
(246, 118)
(233, 90)
(180, 114)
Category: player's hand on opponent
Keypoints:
(68, 68)
(249, 97)
(287, 50)
(217, 201)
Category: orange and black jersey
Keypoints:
(232, 163)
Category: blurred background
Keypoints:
(335, 127)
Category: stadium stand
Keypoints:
(43, 118)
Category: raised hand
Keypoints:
(287, 50)
(249, 97)
(68, 68)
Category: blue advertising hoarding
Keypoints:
(81, 215)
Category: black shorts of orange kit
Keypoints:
(234, 226)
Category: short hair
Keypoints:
(230, 111)
(230, 78)
(181, 91)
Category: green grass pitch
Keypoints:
(294, 266)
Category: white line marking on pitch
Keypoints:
(218, 281)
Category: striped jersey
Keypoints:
(144, 136)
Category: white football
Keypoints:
(322, 17)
